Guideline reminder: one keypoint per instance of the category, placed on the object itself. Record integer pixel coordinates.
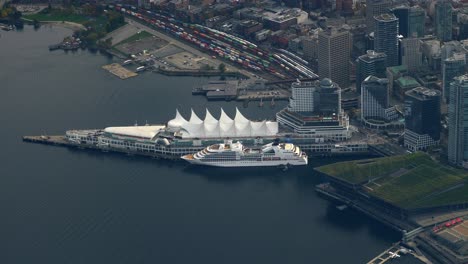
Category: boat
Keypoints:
(231, 154)
(261, 103)
(141, 68)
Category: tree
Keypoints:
(222, 68)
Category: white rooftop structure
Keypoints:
(144, 132)
(210, 127)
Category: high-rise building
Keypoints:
(443, 20)
(416, 22)
(335, 52)
(371, 63)
(411, 54)
(411, 20)
(311, 4)
(320, 97)
(422, 118)
(386, 37)
(402, 13)
(458, 122)
(310, 47)
(315, 111)
(375, 8)
(347, 8)
(374, 98)
(452, 67)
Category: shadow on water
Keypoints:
(302, 176)
(126, 158)
(233, 175)
(352, 220)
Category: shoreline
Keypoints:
(64, 24)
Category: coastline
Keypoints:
(65, 24)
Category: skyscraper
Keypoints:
(347, 8)
(422, 118)
(411, 20)
(371, 63)
(335, 52)
(416, 22)
(411, 54)
(402, 13)
(458, 122)
(452, 67)
(386, 37)
(375, 8)
(374, 98)
(316, 97)
(315, 111)
(443, 20)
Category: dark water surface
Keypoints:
(68, 206)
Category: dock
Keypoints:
(396, 252)
(119, 71)
(61, 141)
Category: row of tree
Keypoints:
(94, 31)
(9, 12)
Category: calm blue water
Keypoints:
(68, 206)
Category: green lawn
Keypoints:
(57, 16)
(457, 195)
(136, 37)
(362, 170)
(408, 181)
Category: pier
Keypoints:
(119, 71)
(63, 142)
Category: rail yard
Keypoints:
(279, 64)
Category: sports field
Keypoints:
(408, 181)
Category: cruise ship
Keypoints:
(236, 155)
(180, 136)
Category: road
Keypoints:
(121, 33)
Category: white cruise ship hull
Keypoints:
(243, 163)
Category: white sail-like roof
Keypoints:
(210, 127)
(258, 128)
(178, 121)
(226, 125)
(242, 125)
(271, 127)
(195, 125)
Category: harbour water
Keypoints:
(69, 206)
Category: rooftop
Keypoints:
(386, 17)
(397, 69)
(407, 81)
(423, 93)
(371, 55)
(408, 181)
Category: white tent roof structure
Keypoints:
(210, 127)
(144, 132)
